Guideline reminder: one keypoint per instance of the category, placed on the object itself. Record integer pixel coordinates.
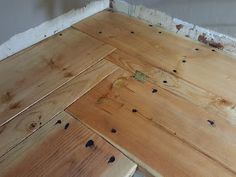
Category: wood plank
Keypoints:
(182, 119)
(140, 129)
(196, 63)
(59, 149)
(23, 125)
(32, 74)
(206, 100)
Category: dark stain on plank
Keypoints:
(32, 126)
(51, 64)
(68, 74)
(7, 97)
(223, 102)
(15, 105)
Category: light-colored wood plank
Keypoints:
(196, 63)
(110, 105)
(59, 149)
(15, 131)
(182, 119)
(210, 102)
(32, 74)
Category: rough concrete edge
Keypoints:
(155, 17)
(30, 37)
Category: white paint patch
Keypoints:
(49, 28)
(169, 23)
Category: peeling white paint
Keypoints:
(169, 23)
(155, 17)
(32, 36)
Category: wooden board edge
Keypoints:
(123, 150)
(19, 119)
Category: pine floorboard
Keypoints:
(143, 96)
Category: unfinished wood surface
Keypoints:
(32, 74)
(23, 125)
(65, 147)
(194, 62)
(181, 118)
(153, 127)
(210, 102)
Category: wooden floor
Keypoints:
(112, 92)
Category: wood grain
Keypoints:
(26, 123)
(206, 100)
(152, 128)
(34, 73)
(196, 63)
(59, 149)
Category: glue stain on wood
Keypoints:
(139, 76)
(120, 83)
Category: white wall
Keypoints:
(26, 22)
(17, 16)
(217, 15)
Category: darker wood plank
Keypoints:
(196, 63)
(144, 131)
(63, 148)
(206, 100)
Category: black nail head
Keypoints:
(67, 126)
(112, 159)
(113, 130)
(58, 122)
(211, 122)
(90, 143)
(154, 90)
(134, 110)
